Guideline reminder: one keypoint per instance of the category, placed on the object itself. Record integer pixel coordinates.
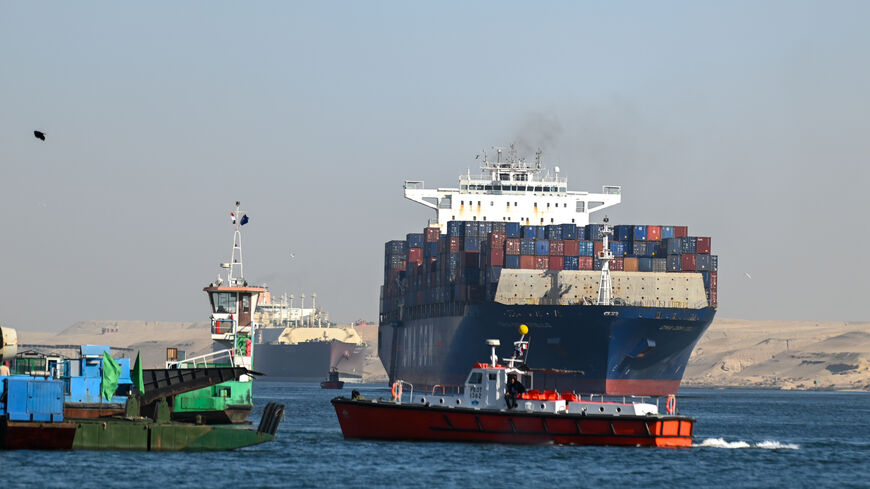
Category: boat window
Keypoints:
(537, 189)
(504, 176)
(246, 303)
(522, 188)
(487, 187)
(581, 206)
(463, 187)
(224, 302)
(475, 378)
(492, 376)
(546, 189)
(496, 187)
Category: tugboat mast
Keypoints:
(236, 262)
(605, 288)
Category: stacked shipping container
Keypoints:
(465, 265)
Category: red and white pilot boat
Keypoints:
(479, 413)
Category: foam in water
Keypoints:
(766, 444)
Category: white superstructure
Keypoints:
(509, 190)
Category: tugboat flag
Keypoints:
(244, 219)
(233, 217)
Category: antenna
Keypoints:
(237, 248)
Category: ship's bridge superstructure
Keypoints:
(510, 190)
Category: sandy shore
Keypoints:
(733, 352)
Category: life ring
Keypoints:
(397, 390)
(671, 405)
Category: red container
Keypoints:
(512, 246)
(471, 259)
(681, 231)
(617, 264)
(653, 233)
(527, 262)
(496, 239)
(415, 255)
(688, 262)
(556, 262)
(455, 244)
(572, 248)
(714, 289)
(495, 257)
(431, 234)
(597, 247)
(703, 245)
(557, 248)
(585, 263)
(542, 262)
(630, 264)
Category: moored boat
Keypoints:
(481, 413)
(332, 382)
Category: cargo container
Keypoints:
(542, 247)
(702, 245)
(639, 233)
(512, 246)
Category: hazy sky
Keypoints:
(747, 121)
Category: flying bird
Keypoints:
(747, 275)
(39, 135)
(292, 255)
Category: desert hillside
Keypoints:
(733, 352)
(782, 355)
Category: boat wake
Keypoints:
(766, 444)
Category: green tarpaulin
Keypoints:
(111, 373)
(138, 381)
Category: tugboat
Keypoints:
(332, 382)
(233, 304)
(481, 413)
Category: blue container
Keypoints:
(689, 245)
(512, 229)
(33, 399)
(639, 233)
(703, 263)
(484, 229)
(705, 276)
(667, 232)
(597, 264)
(542, 247)
(471, 244)
(414, 240)
(581, 233)
(714, 263)
(675, 263)
(623, 232)
(617, 248)
(569, 231)
(395, 247)
(512, 261)
(572, 263)
(541, 232)
(554, 231)
(673, 246)
(430, 249)
(586, 248)
(499, 227)
(644, 265)
(639, 248)
(527, 247)
(593, 232)
(529, 232)
(660, 264)
(455, 228)
(469, 229)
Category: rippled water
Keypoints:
(743, 438)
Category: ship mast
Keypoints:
(605, 288)
(235, 262)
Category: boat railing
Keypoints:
(209, 359)
(402, 391)
(446, 389)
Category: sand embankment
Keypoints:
(733, 352)
(782, 355)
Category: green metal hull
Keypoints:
(146, 435)
(227, 402)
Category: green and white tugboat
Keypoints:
(233, 303)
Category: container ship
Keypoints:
(298, 343)
(616, 310)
